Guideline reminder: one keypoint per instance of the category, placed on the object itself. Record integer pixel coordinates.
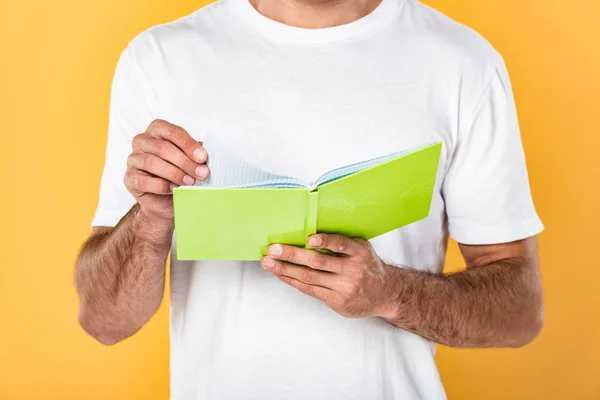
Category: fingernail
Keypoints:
(188, 180)
(315, 241)
(199, 155)
(275, 250)
(202, 171)
(268, 262)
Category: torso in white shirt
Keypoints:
(300, 102)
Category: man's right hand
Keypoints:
(120, 273)
(163, 157)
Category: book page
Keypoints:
(229, 170)
(344, 171)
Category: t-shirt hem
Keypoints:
(108, 218)
(504, 233)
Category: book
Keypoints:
(240, 209)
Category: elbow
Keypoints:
(531, 327)
(99, 330)
(529, 311)
(529, 333)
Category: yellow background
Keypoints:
(56, 64)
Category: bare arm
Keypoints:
(496, 302)
(120, 272)
(120, 276)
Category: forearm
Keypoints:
(120, 276)
(495, 305)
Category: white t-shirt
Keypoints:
(299, 102)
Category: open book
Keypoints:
(241, 209)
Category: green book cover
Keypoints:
(242, 209)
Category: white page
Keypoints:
(230, 170)
(362, 165)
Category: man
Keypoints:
(301, 87)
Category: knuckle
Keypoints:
(307, 276)
(131, 160)
(307, 289)
(161, 148)
(149, 162)
(140, 183)
(340, 244)
(136, 141)
(318, 261)
(155, 124)
(173, 132)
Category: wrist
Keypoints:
(155, 229)
(396, 305)
(393, 285)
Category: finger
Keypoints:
(168, 151)
(310, 258)
(140, 183)
(317, 292)
(159, 167)
(179, 137)
(336, 243)
(299, 272)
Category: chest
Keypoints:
(305, 114)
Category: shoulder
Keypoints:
(456, 46)
(176, 37)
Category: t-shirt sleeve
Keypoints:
(486, 187)
(130, 114)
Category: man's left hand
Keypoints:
(353, 281)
